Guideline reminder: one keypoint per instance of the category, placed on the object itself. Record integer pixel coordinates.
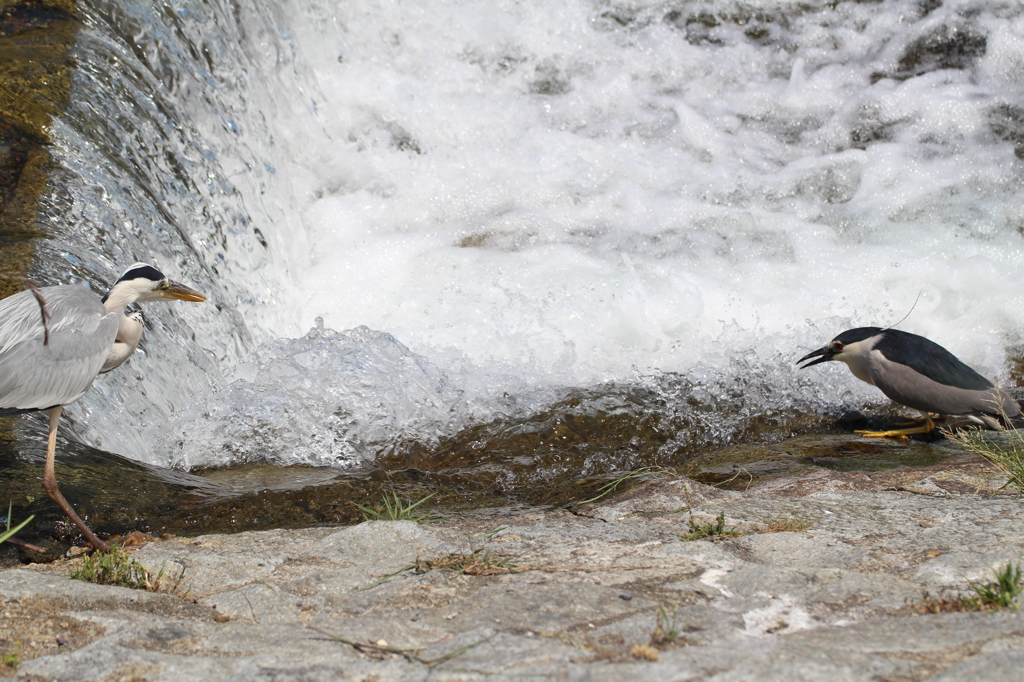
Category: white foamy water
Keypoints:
(536, 196)
(551, 191)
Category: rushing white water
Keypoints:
(581, 190)
(533, 196)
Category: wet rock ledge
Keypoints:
(825, 582)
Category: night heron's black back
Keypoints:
(930, 359)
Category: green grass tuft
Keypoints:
(666, 631)
(643, 473)
(392, 508)
(1001, 593)
(714, 531)
(994, 595)
(119, 567)
(1005, 451)
(116, 567)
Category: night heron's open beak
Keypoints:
(182, 292)
(826, 354)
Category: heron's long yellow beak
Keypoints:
(182, 292)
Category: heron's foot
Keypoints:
(921, 421)
(925, 425)
(50, 484)
(901, 433)
(96, 543)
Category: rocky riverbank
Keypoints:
(825, 581)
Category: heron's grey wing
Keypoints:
(34, 375)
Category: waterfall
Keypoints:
(166, 155)
(504, 210)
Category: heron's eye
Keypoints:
(837, 346)
(163, 284)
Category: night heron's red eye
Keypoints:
(836, 346)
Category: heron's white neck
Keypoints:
(129, 327)
(857, 358)
(118, 299)
(129, 331)
(124, 293)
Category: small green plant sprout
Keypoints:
(13, 659)
(1001, 593)
(709, 531)
(993, 595)
(393, 508)
(119, 567)
(665, 632)
(9, 532)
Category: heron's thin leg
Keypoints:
(910, 423)
(50, 483)
(927, 427)
(921, 420)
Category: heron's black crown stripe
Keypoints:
(930, 359)
(858, 334)
(142, 272)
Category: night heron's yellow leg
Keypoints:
(50, 484)
(920, 421)
(909, 424)
(927, 427)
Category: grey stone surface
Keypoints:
(611, 593)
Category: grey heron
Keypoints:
(913, 371)
(49, 357)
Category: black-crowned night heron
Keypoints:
(913, 371)
(53, 345)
